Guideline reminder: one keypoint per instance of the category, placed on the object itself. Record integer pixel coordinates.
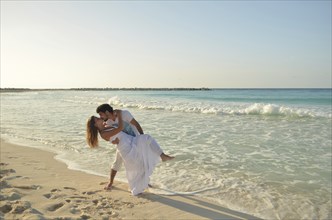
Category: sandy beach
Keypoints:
(36, 186)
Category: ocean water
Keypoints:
(262, 152)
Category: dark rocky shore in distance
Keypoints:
(102, 89)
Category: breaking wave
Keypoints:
(266, 109)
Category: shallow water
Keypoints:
(262, 152)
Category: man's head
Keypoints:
(105, 111)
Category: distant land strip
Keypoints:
(101, 89)
(3, 90)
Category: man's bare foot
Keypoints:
(165, 157)
(108, 187)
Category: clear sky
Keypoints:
(215, 44)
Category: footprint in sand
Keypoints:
(85, 216)
(4, 184)
(32, 187)
(66, 187)
(15, 177)
(6, 171)
(91, 192)
(77, 197)
(55, 190)
(48, 195)
(54, 196)
(6, 208)
(13, 196)
(17, 207)
(68, 198)
(55, 207)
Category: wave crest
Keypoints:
(271, 109)
(219, 108)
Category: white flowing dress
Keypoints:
(139, 159)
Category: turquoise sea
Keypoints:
(265, 152)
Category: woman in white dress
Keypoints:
(139, 160)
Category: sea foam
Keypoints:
(266, 109)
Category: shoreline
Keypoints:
(34, 185)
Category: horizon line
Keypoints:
(161, 88)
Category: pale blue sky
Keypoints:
(215, 44)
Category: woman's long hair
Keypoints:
(91, 132)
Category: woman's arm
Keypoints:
(106, 135)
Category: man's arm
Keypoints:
(137, 125)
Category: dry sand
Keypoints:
(36, 186)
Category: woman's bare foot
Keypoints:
(165, 157)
